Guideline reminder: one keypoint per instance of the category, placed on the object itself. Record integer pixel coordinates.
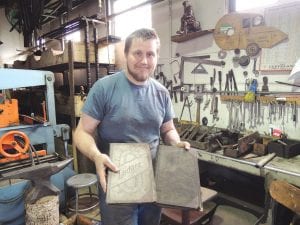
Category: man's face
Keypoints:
(141, 59)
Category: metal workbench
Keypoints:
(278, 168)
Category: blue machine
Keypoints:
(11, 193)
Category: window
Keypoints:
(242, 5)
(129, 21)
(74, 36)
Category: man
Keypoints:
(128, 106)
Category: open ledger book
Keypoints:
(176, 180)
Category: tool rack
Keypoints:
(295, 99)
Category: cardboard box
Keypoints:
(81, 220)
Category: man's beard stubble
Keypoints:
(137, 76)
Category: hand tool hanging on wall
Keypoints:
(199, 69)
(199, 60)
(220, 80)
(285, 83)
(255, 71)
(215, 110)
(265, 87)
(233, 80)
(213, 98)
(226, 88)
(187, 103)
(230, 83)
(250, 95)
(198, 99)
(295, 113)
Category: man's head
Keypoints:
(141, 52)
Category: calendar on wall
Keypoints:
(283, 56)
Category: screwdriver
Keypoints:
(220, 80)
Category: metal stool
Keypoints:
(86, 200)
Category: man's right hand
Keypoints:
(102, 161)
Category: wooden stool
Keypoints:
(86, 200)
(177, 216)
(288, 197)
(286, 194)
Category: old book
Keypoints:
(134, 183)
(177, 178)
(176, 181)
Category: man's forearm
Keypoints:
(86, 144)
(171, 137)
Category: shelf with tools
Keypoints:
(280, 97)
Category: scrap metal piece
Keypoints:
(244, 143)
(231, 151)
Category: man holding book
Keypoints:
(128, 107)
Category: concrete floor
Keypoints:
(224, 215)
(227, 215)
(230, 211)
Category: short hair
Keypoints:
(144, 34)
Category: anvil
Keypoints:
(39, 175)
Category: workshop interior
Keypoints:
(232, 69)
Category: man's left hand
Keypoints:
(184, 144)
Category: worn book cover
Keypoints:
(176, 181)
(134, 183)
(177, 178)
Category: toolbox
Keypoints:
(286, 149)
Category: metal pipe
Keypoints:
(273, 169)
(96, 45)
(87, 55)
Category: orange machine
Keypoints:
(9, 113)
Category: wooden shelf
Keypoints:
(110, 39)
(262, 99)
(189, 36)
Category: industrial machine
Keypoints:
(27, 140)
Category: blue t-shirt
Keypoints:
(127, 112)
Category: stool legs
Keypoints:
(89, 199)
(90, 192)
(76, 201)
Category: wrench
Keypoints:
(255, 71)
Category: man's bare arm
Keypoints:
(170, 136)
(86, 144)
